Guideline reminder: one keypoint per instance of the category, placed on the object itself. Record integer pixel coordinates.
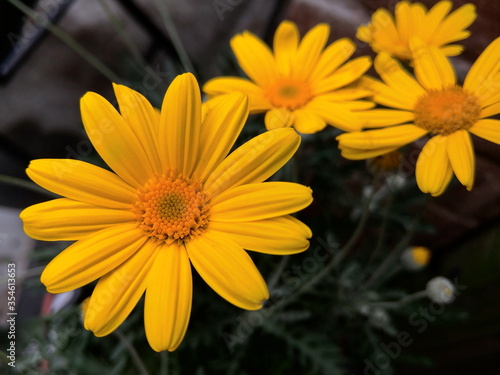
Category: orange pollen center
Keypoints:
(288, 93)
(447, 110)
(172, 208)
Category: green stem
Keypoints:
(133, 353)
(66, 38)
(19, 182)
(174, 36)
(402, 301)
(273, 280)
(164, 363)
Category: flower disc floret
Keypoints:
(172, 208)
(447, 110)
(289, 93)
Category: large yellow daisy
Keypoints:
(175, 198)
(435, 27)
(304, 84)
(432, 104)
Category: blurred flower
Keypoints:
(432, 104)
(388, 162)
(435, 28)
(440, 290)
(415, 258)
(175, 198)
(303, 85)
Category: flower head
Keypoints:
(300, 84)
(175, 198)
(440, 290)
(432, 104)
(435, 27)
(415, 258)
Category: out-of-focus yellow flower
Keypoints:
(432, 104)
(415, 257)
(435, 27)
(300, 84)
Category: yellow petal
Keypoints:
(488, 129)
(255, 161)
(142, 120)
(82, 181)
(260, 201)
(307, 122)
(219, 131)
(91, 257)
(349, 73)
(432, 69)
(227, 85)
(255, 58)
(168, 298)
(395, 136)
(278, 118)
(491, 110)
(68, 220)
(280, 236)
(334, 114)
(117, 292)
(397, 78)
(332, 57)
(481, 77)
(360, 154)
(433, 19)
(310, 49)
(228, 270)
(378, 118)
(433, 170)
(404, 22)
(349, 93)
(180, 124)
(451, 29)
(452, 50)
(286, 40)
(114, 140)
(461, 155)
(386, 95)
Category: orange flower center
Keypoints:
(172, 208)
(288, 93)
(447, 110)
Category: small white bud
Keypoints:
(440, 290)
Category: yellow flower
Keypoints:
(415, 258)
(301, 84)
(175, 198)
(432, 104)
(435, 27)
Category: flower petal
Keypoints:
(91, 257)
(254, 161)
(82, 181)
(307, 122)
(433, 19)
(386, 95)
(114, 140)
(433, 170)
(461, 155)
(219, 131)
(395, 136)
(280, 236)
(260, 201)
(432, 69)
(143, 121)
(228, 270)
(333, 57)
(488, 129)
(254, 57)
(278, 118)
(169, 293)
(310, 49)
(378, 118)
(228, 85)
(286, 41)
(180, 124)
(452, 27)
(334, 114)
(360, 154)
(481, 77)
(68, 220)
(117, 292)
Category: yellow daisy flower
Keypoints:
(175, 198)
(431, 104)
(303, 85)
(435, 27)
